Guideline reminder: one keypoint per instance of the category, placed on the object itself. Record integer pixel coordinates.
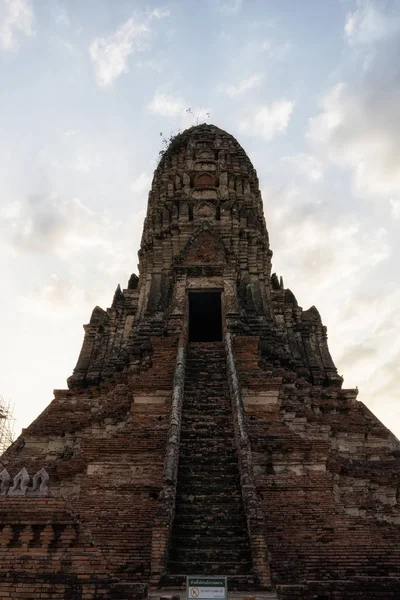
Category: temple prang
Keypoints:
(205, 429)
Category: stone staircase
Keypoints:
(209, 535)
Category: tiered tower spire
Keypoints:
(205, 429)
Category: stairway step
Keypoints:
(198, 456)
(201, 439)
(207, 409)
(231, 533)
(210, 568)
(208, 420)
(208, 466)
(196, 424)
(197, 481)
(212, 525)
(236, 556)
(215, 411)
(204, 433)
(197, 488)
(213, 395)
(212, 381)
(219, 445)
(210, 507)
(210, 510)
(209, 458)
(216, 375)
(220, 496)
(211, 514)
(206, 383)
(200, 541)
(197, 362)
(216, 464)
(204, 494)
(202, 478)
(206, 401)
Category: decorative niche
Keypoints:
(205, 210)
(204, 180)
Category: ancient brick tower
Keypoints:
(205, 429)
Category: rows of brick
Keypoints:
(300, 469)
(106, 466)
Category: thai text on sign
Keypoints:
(206, 588)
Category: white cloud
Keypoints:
(62, 18)
(315, 248)
(142, 184)
(110, 54)
(243, 86)
(268, 121)
(306, 164)
(395, 204)
(159, 13)
(368, 24)
(60, 13)
(86, 162)
(57, 298)
(166, 105)
(374, 314)
(16, 17)
(47, 224)
(369, 330)
(359, 128)
(229, 6)
(275, 51)
(179, 110)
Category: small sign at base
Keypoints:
(206, 588)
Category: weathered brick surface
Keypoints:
(105, 475)
(46, 552)
(358, 589)
(308, 444)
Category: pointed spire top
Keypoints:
(118, 296)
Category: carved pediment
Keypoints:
(204, 248)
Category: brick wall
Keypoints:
(103, 448)
(371, 589)
(306, 440)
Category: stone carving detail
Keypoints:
(40, 484)
(205, 210)
(20, 485)
(4, 482)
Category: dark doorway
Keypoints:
(205, 317)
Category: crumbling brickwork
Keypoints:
(242, 457)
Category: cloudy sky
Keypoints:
(311, 90)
